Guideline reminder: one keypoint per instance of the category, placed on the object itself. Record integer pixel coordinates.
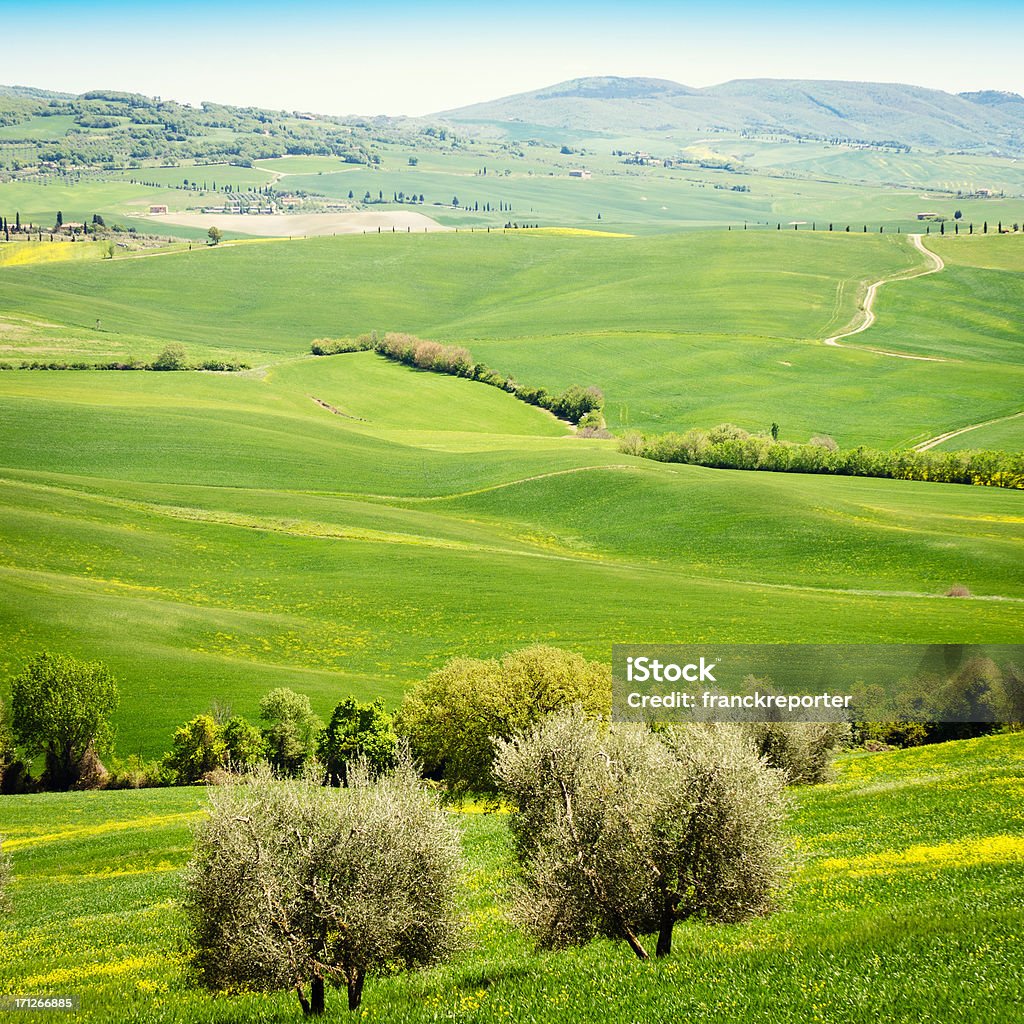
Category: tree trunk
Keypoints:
(316, 997)
(665, 926)
(634, 942)
(355, 989)
(314, 1006)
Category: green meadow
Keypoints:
(212, 536)
(678, 330)
(344, 524)
(906, 880)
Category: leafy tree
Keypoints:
(215, 235)
(357, 731)
(198, 748)
(245, 745)
(452, 718)
(61, 708)
(295, 886)
(292, 729)
(576, 401)
(622, 831)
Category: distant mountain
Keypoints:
(991, 122)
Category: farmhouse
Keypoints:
(160, 208)
(927, 216)
(579, 173)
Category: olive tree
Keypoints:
(620, 831)
(296, 886)
(452, 718)
(803, 750)
(61, 708)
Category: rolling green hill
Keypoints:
(908, 881)
(213, 536)
(679, 331)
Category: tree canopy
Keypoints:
(61, 708)
(358, 881)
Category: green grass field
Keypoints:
(679, 331)
(213, 536)
(907, 880)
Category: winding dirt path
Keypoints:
(865, 316)
(933, 442)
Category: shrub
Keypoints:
(172, 358)
(803, 750)
(361, 880)
(134, 773)
(337, 346)
(958, 590)
(452, 718)
(622, 831)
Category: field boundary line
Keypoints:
(865, 316)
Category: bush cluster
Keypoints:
(220, 365)
(730, 447)
(979, 699)
(337, 346)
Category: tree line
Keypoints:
(730, 447)
(173, 357)
(577, 404)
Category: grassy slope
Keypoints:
(907, 904)
(214, 536)
(678, 330)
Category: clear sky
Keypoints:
(415, 58)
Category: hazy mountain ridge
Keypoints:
(985, 121)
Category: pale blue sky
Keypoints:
(415, 58)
